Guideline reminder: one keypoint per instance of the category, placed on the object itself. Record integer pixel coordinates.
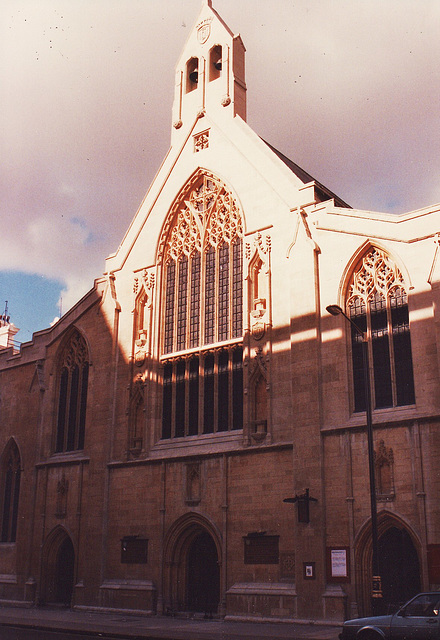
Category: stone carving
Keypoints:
(257, 254)
(75, 353)
(207, 217)
(201, 141)
(376, 273)
(193, 483)
(143, 309)
(384, 467)
(62, 490)
(204, 30)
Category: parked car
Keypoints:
(418, 619)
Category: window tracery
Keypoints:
(377, 302)
(72, 395)
(203, 305)
(10, 492)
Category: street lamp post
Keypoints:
(376, 587)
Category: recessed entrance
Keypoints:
(192, 566)
(58, 568)
(399, 567)
(399, 564)
(203, 588)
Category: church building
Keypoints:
(191, 437)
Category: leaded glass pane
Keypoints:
(62, 405)
(193, 426)
(237, 289)
(169, 307)
(223, 293)
(223, 390)
(167, 398)
(381, 352)
(208, 403)
(402, 348)
(209, 295)
(182, 293)
(180, 400)
(194, 321)
(83, 405)
(358, 314)
(10, 480)
(7, 499)
(237, 388)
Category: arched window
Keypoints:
(10, 491)
(377, 302)
(203, 306)
(192, 74)
(215, 62)
(72, 395)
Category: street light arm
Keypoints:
(335, 310)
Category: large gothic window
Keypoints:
(10, 490)
(72, 395)
(203, 314)
(378, 304)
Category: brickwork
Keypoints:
(194, 499)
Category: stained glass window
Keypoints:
(378, 304)
(203, 295)
(72, 396)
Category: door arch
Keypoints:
(192, 566)
(58, 569)
(399, 563)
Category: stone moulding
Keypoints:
(263, 588)
(262, 601)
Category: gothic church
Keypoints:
(150, 439)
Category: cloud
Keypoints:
(348, 89)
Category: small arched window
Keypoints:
(192, 74)
(72, 395)
(377, 302)
(10, 491)
(215, 62)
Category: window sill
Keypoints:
(201, 444)
(65, 458)
(380, 417)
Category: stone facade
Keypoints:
(150, 438)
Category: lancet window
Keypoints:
(10, 492)
(378, 303)
(203, 314)
(72, 395)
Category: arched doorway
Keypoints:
(192, 566)
(203, 575)
(399, 567)
(58, 569)
(398, 561)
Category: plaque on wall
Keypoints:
(134, 550)
(261, 549)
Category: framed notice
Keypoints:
(338, 564)
(309, 570)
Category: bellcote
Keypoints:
(210, 74)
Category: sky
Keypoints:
(348, 89)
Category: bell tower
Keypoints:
(210, 74)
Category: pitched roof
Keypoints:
(322, 192)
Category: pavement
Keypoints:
(138, 627)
